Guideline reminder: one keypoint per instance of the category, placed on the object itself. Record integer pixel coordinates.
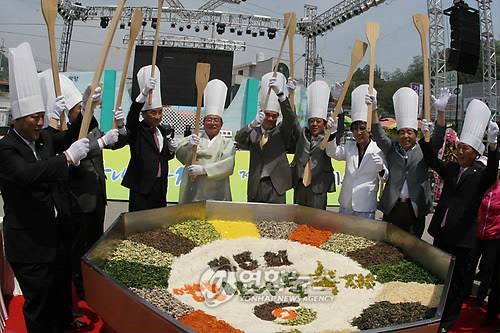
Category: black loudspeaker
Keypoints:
(465, 45)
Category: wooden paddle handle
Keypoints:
(155, 46)
(371, 82)
(87, 117)
(275, 67)
(135, 24)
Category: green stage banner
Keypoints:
(116, 161)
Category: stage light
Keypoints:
(188, 26)
(104, 22)
(221, 28)
(262, 33)
(181, 28)
(172, 25)
(239, 33)
(254, 34)
(153, 22)
(205, 27)
(144, 23)
(197, 29)
(271, 33)
(249, 31)
(232, 29)
(122, 25)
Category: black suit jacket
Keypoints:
(461, 199)
(31, 189)
(144, 155)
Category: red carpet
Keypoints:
(469, 322)
(15, 323)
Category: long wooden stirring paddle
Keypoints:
(358, 52)
(135, 27)
(202, 76)
(372, 33)
(421, 22)
(49, 10)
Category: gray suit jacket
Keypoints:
(269, 161)
(411, 168)
(323, 179)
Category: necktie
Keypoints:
(157, 143)
(307, 177)
(33, 147)
(263, 139)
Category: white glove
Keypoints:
(119, 117)
(259, 118)
(194, 140)
(440, 103)
(371, 100)
(78, 151)
(58, 108)
(196, 170)
(336, 90)
(273, 83)
(150, 86)
(96, 97)
(332, 124)
(427, 126)
(379, 162)
(492, 132)
(172, 147)
(291, 85)
(110, 138)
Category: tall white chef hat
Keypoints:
(406, 108)
(143, 76)
(24, 90)
(71, 94)
(359, 109)
(318, 96)
(214, 97)
(273, 103)
(476, 120)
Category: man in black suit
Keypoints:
(150, 148)
(33, 181)
(453, 224)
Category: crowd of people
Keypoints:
(53, 184)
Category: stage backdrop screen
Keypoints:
(178, 67)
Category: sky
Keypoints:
(22, 20)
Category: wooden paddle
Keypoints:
(135, 27)
(421, 22)
(372, 33)
(275, 67)
(202, 76)
(358, 52)
(49, 10)
(155, 46)
(89, 112)
(292, 19)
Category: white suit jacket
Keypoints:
(361, 183)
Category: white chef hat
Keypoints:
(71, 94)
(318, 96)
(476, 120)
(24, 90)
(406, 108)
(273, 103)
(214, 97)
(359, 109)
(143, 76)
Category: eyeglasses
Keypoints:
(212, 120)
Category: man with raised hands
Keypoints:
(453, 223)
(33, 181)
(150, 146)
(269, 174)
